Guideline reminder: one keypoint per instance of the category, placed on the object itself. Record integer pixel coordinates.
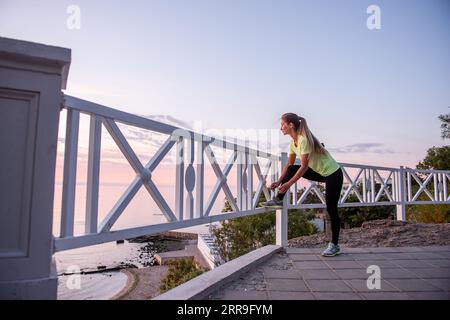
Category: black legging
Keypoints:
(333, 186)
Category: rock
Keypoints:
(389, 233)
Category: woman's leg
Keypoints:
(309, 174)
(333, 186)
(292, 169)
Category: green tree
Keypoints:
(437, 158)
(445, 125)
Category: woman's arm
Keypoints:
(301, 170)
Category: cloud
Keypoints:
(367, 147)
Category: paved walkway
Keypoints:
(406, 273)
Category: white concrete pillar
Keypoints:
(31, 78)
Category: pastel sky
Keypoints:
(372, 96)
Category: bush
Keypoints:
(353, 217)
(429, 213)
(180, 271)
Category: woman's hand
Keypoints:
(275, 185)
(284, 187)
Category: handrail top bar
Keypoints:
(427, 170)
(145, 123)
(364, 166)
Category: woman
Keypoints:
(317, 165)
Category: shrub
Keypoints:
(180, 271)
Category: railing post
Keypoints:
(31, 78)
(401, 207)
(282, 214)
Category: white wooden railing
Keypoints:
(394, 183)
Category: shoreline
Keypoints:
(119, 262)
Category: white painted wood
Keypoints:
(435, 185)
(364, 182)
(120, 205)
(221, 180)
(190, 178)
(423, 186)
(262, 177)
(223, 177)
(70, 173)
(123, 145)
(92, 239)
(249, 181)
(239, 186)
(409, 186)
(95, 134)
(159, 200)
(200, 180)
(318, 192)
(353, 186)
(401, 206)
(134, 187)
(444, 183)
(179, 177)
(383, 186)
(141, 122)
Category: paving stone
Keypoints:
(385, 295)
(352, 273)
(368, 256)
(413, 285)
(337, 296)
(436, 248)
(398, 256)
(443, 254)
(427, 273)
(341, 257)
(290, 250)
(290, 295)
(384, 250)
(379, 263)
(439, 263)
(318, 274)
(429, 295)
(304, 257)
(286, 285)
(443, 284)
(360, 285)
(328, 286)
(412, 263)
(397, 273)
(427, 255)
(300, 265)
(281, 274)
(354, 250)
(343, 264)
(407, 249)
(243, 295)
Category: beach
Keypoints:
(107, 269)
